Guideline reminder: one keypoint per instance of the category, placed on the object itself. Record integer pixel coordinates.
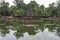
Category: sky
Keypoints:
(45, 2)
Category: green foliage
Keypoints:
(20, 9)
(4, 6)
(58, 13)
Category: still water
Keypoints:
(46, 30)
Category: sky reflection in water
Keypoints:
(46, 35)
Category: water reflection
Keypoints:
(48, 29)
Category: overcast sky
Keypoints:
(45, 2)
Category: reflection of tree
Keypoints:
(18, 34)
(4, 29)
(41, 26)
(45, 24)
(51, 27)
(58, 31)
(20, 29)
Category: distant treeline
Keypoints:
(22, 9)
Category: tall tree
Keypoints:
(58, 3)
(4, 6)
(18, 3)
(34, 7)
(58, 7)
(20, 8)
(52, 10)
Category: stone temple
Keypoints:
(19, 1)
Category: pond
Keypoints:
(45, 30)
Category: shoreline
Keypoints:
(27, 19)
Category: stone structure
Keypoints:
(20, 1)
(29, 11)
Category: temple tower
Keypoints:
(19, 1)
(29, 11)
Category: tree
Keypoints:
(52, 10)
(58, 13)
(42, 9)
(34, 7)
(12, 10)
(18, 3)
(58, 3)
(58, 8)
(4, 6)
(19, 9)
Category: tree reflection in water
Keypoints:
(4, 29)
(20, 29)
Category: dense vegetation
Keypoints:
(20, 9)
